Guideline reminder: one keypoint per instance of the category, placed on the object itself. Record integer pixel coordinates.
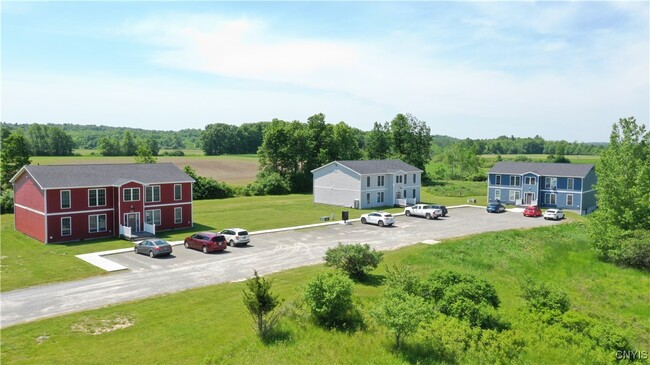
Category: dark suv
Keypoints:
(441, 207)
(206, 242)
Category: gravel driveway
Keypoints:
(267, 253)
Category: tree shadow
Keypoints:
(418, 353)
(373, 280)
(278, 336)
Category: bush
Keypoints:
(354, 259)
(268, 183)
(209, 188)
(173, 153)
(260, 303)
(545, 300)
(635, 250)
(465, 297)
(401, 312)
(329, 298)
(400, 278)
(7, 201)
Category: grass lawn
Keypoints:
(211, 326)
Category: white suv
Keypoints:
(555, 214)
(236, 236)
(379, 218)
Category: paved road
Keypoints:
(267, 253)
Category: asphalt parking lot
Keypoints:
(267, 253)
(313, 242)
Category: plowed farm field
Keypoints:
(235, 170)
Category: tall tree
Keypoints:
(410, 140)
(14, 154)
(143, 154)
(219, 139)
(378, 142)
(109, 146)
(128, 144)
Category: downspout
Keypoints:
(47, 228)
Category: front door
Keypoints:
(132, 220)
(528, 198)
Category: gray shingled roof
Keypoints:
(542, 168)
(69, 176)
(364, 167)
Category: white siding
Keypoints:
(336, 185)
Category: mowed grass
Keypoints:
(211, 326)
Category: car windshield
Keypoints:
(159, 242)
(218, 238)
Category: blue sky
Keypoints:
(561, 70)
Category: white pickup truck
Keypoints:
(423, 210)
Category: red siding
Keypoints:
(79, 227)
(78, 200)
(30, 223)
(28, 193)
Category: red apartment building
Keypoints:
(62, 203)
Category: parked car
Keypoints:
(206, 242)
(496, 208)
(532, 211)
(236, 236)
(555, 214)
(153, 248)
(442, 208)
(379, 218)
(423, 210)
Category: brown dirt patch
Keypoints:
(231, 171)
(97, 326)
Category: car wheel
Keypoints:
(187, 245)
(428, 216)
(231, 243)
(380, 223)
(363, 220)
(407, 213)
(151, 254)
(135, 249)
(205, 249)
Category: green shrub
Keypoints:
(401, 312)
(7, 201)
(635, 250)
(329, 298)
(401, 278)
(355, 259)
(542, 297)
(260, 303)
(465, 297)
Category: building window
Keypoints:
(497, 180)
(413, 193)
(530, 180)
(96, 197)
(97, 223)
(178, 192)
(406, 179)
(66, 226)
(515, 195)
(570, 183)
(65, 199)
(497, 194)
(380, 197)
(153, 194)
(515, 180)
(414, 178)
(550, 198)
(569, 200)
(550, 183)
(178, 215)
(131, 194)
(368, 197)
(380, 180)
(152, 217)
(368, 181)
(396, 179)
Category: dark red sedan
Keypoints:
(206, 242)
(532, 211)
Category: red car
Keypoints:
(206, 242)
(532, 211)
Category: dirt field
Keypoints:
(235, 170)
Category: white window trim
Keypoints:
(497, 180)
(69, 199)
(570, 184)
(567, 200)
(131, 190)
(153, 217)
(181, 192)
(178, 219)
(97, 223)
(97, 197)
(153, 188)
(497, 194)
(69, 233)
